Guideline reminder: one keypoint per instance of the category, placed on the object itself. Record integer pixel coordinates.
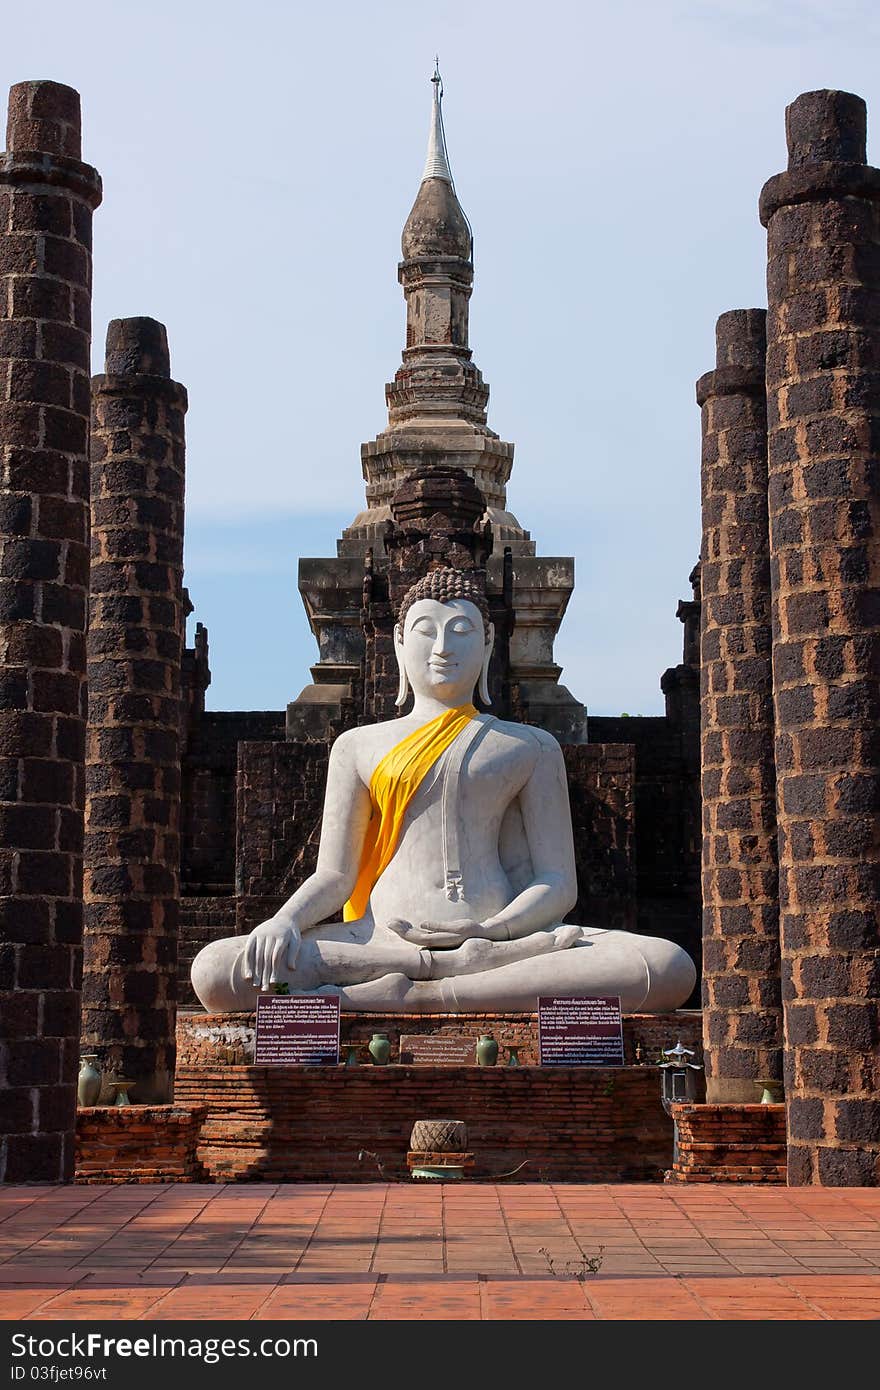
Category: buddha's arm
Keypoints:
(547, 821)
(343, 827)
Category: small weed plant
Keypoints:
(579, 1268)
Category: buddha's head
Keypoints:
(443, 639)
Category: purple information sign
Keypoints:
(580, 1032)
(297, 1030)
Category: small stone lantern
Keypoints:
(678, 1083)
(678, 1076)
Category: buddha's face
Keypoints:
(444, 647)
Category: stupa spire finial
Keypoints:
(437, 162)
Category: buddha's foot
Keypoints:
(476, 955)
(387, 994)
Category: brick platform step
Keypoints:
(137, 1175)
(352, 1124)
(138, 1143)
(761, 1175)
(729, 1150)
(730, 1143)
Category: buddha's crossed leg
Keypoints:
(343, 964)
(322, 963)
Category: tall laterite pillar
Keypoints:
(823, 395)
(742, 1007)
(135, 647)
(47, 197)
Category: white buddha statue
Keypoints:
(446, 862)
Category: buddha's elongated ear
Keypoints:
(403, 684)
(483, 687)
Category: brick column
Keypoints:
(823, 384)
(742, 1007)
(135, 645)
(47, 197)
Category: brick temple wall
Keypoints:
(47, 197)
(666, 843)
(279, 800)
(741, 974)
(210, 762)
(202, 919)
(823, 395)
(600, 789)
(301, 1124)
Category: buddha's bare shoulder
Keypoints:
(361, 748)
(527, 737)
(351, 743)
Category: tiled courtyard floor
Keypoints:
(468, 1251)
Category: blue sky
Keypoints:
(259, 161)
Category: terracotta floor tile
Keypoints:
(649, 1300)
(459, 1301)
(533, 1300)
(232, 1301)
(23, 1302)
(85, 1302)
(48, 1272)
(344, 1300)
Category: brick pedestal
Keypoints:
(729, 1143)
(132, 846)
(47, 196)
(823, 387)
(138, 1143)
(741, 984)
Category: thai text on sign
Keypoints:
(438, 1050)
(297, 1030)
(580, 1032)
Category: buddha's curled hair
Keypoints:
(446, 585)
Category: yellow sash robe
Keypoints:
(393, 785)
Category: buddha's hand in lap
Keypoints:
(449, 935)
(271, 947)
(486, 954)
(439, 935)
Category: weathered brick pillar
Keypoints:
(742, 1006)
(47, 197)
(823, 382)
(135, 646)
